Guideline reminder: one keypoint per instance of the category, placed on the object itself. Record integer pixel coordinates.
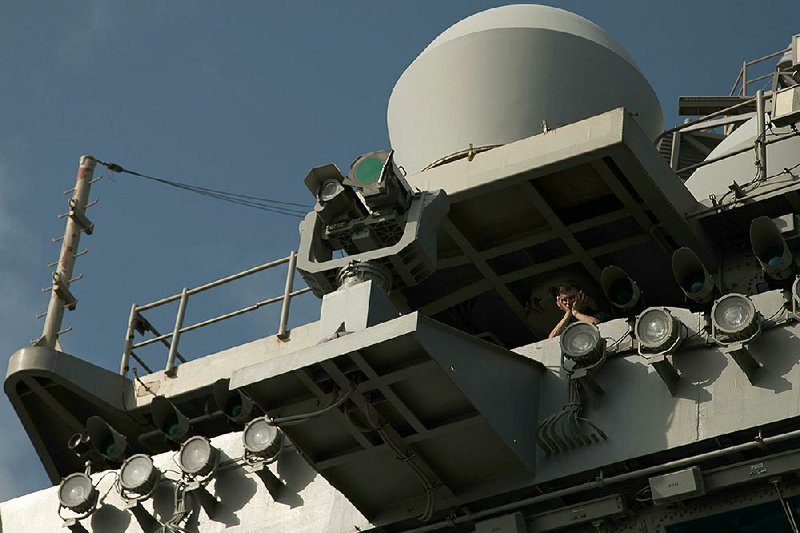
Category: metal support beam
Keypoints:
(541, 205)
(303, 376)
(57, 407)
(390, 433)
(388, 393)
(490, 275)
(526, 240)
(475, 289)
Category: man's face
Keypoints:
(567, 298)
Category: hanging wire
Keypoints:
(256, 202)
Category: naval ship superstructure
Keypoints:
(425, 398)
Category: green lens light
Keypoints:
(235, 408)
(109, 447)
(369, 170)
(171, 426)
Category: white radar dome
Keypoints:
(500, 75)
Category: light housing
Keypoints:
(110, 443)
(619, 288)
(658, 331)
(770, 249)
(335, 200)
(197, 457)
(169, 420)
(380, 182)
(139, 475)
(582, 343)
(261, 438)
(736, 318)
(692, 276)
(77, 493)
(234, 404)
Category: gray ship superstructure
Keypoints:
(527, 149)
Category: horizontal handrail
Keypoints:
(217, 283)
(220, 318)
(137, 322)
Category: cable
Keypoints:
(256, 202)
(297, 419)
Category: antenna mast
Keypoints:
(77, 222)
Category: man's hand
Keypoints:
(563, 306)
(580, 303)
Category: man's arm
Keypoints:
(579, 306)
(589, 319)
(565, 320)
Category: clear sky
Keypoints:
(244, 96)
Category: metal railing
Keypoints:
(137, 322)
(743, 82)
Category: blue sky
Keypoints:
(244, 96)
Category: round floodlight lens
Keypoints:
(657, 329)
(137, 473)
(733, 313)
(197, 456)
(262, 438)
(77, 493)
(581, 341)
(328, 190)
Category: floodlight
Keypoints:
(262, 438)
(234, 404)
(582, 343)
(334, 199)
(381, 186)
(735, 316)
(169, 420)
(197, 456)
(111, 444)
(692, 276)
(770, 249)
(658, 331)
(619, 288)
(139, 475)
(77, 493)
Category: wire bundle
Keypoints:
(567, 429)
(279, 207)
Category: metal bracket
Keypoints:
(77, 214)
(666, 371)
(584, 377)
(74, 526)
(70, 302)
(742, 357)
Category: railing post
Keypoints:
(283, 333)
(761, 147)
(744, 78)
(126, 353)
(176, 334)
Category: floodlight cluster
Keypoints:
(138, 475)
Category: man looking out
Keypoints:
(571, 299)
